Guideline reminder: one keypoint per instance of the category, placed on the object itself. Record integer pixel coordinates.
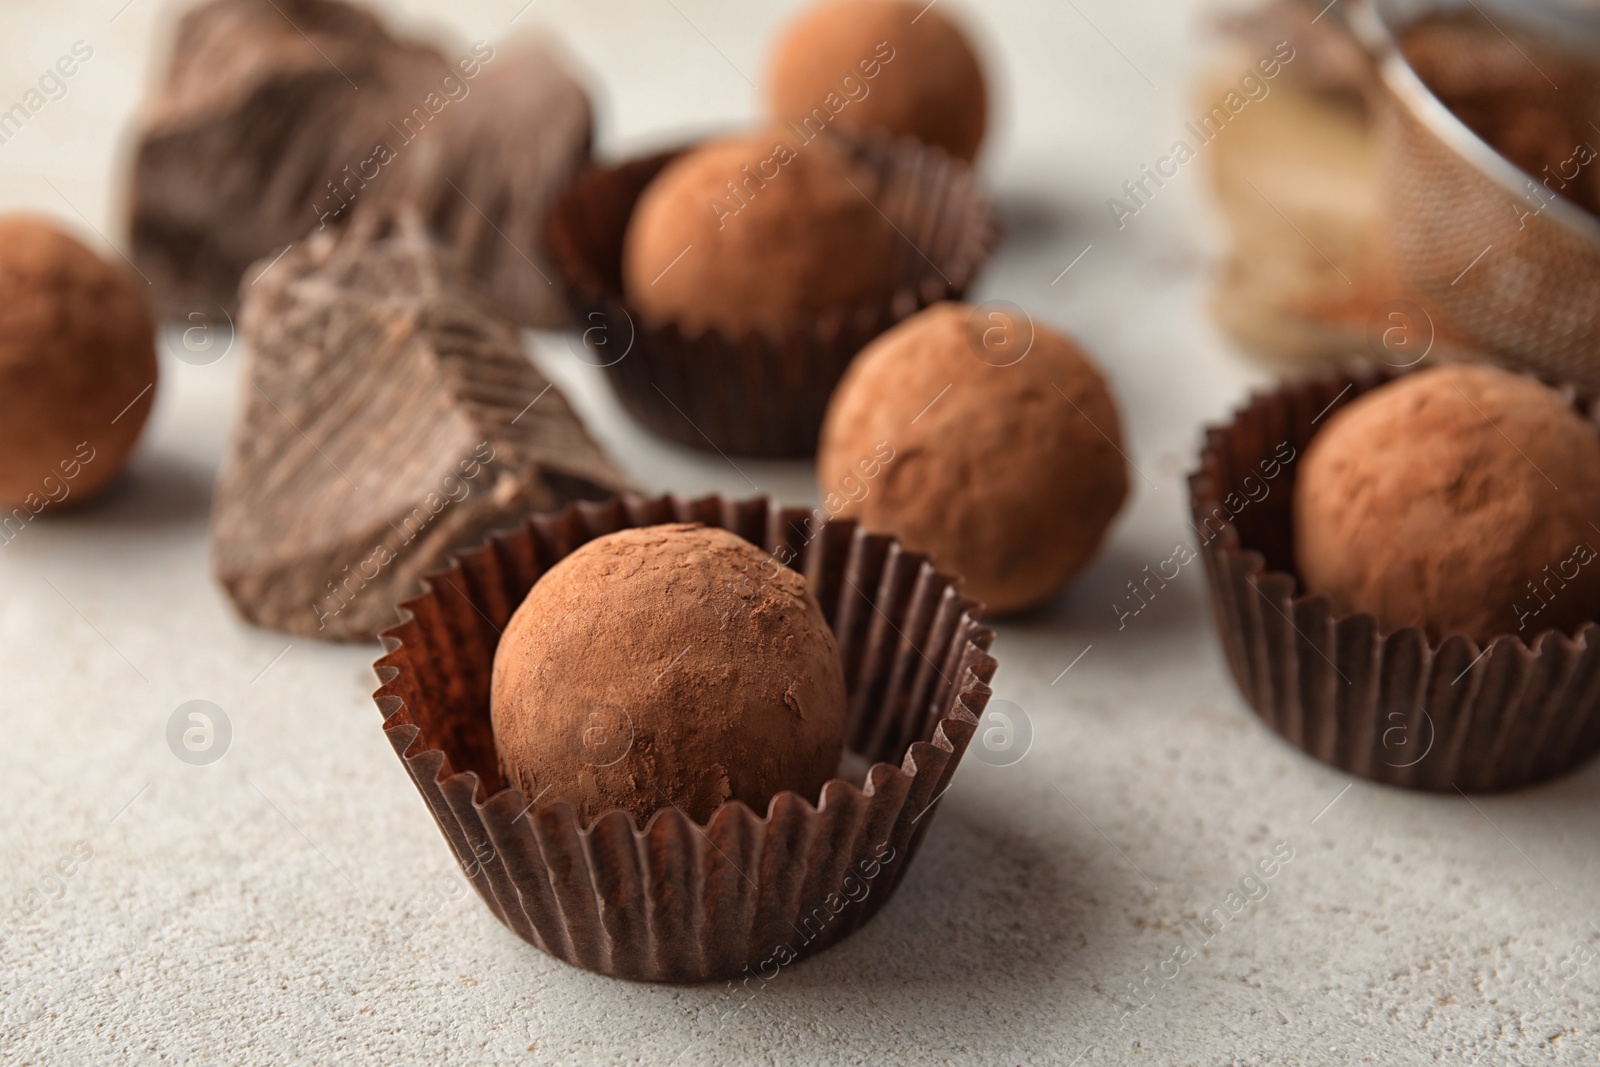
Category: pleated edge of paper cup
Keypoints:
(771, 391)
(1226, 554)
(971, 693)
(877, 147)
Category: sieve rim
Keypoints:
(1374, 23)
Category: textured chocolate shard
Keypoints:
(488, 176)
(389, 418)
(279, 118)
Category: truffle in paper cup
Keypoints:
(677, 901)
(1395, 707)
(760, 395)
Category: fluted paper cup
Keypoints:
(748, 891)
(760, 395)
(1393, 707)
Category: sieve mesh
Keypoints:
(1493, 256)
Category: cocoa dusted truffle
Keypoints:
(1458, 499)
(891, 64)
(762, 232)
(77, 369)
(982, 438)
(673, 665)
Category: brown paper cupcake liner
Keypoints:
(760, 395)
(1393, 707)
(746, 892)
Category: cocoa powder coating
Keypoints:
(1457, 499)
(673, 665)
(77, 366)
(1008, 470)
(881, 64)
(762, 232)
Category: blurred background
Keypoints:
(292, 901)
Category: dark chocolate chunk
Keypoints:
(280, 118)
(389, 419)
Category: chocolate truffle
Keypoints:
(762, 232)
(1458, 499)
(890, 64)
(673, 665)
(77, 368)
(984, 439)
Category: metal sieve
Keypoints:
(1522, 285)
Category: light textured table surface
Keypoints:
(294, 901)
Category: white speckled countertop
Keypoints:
(293, 901)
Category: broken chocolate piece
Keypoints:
(488, 179)
(279, 118)
(389, 419)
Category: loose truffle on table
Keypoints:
(761, 232)
(890, 64)
(987, 440)
(77, 367)
(1457, 499)
(673, 665)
